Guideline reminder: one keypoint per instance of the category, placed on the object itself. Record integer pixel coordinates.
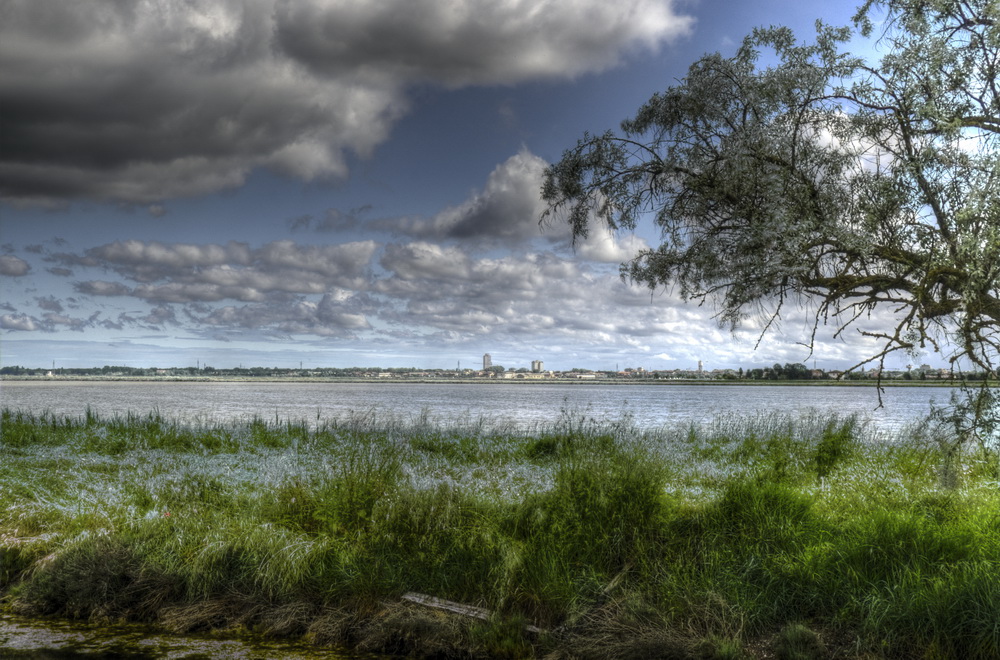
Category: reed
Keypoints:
(773, 535)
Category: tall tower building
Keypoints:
(487, 361)
(537, 366)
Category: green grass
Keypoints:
(758, 536)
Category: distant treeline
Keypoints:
(776, 372)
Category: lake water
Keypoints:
(51, 639)
(522, 405)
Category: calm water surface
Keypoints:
(522, 405)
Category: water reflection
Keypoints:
(38, 639)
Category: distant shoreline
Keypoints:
(485, 381)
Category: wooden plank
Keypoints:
(447, 605)
(457, 608)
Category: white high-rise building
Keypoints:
(487, 361)
(537, 366)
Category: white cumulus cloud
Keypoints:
(12, 266)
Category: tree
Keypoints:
(799, 173)
(797, 371)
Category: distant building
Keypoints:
(537, 366)
(487, 361)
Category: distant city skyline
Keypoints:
(339, 184)
(788, 371)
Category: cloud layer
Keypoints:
(398, 296)
(477, 276)
(186, 273)
(145, 101)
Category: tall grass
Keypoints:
(789, 536)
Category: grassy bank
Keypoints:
(787, 537)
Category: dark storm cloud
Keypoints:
(12, 266)
(141, 102)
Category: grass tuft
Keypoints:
(797, 642)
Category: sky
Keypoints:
(335, 183)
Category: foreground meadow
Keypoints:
(768, 536)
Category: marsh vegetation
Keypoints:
(751, 536)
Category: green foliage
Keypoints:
(440, 542)
(544, 447)
(795, 171)
(14, 561)
(702, 540)
(764, 518)
(605, 511)
(834, 446)
(797, 642)
(452, 448)
(99, 578)
(720, 648)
